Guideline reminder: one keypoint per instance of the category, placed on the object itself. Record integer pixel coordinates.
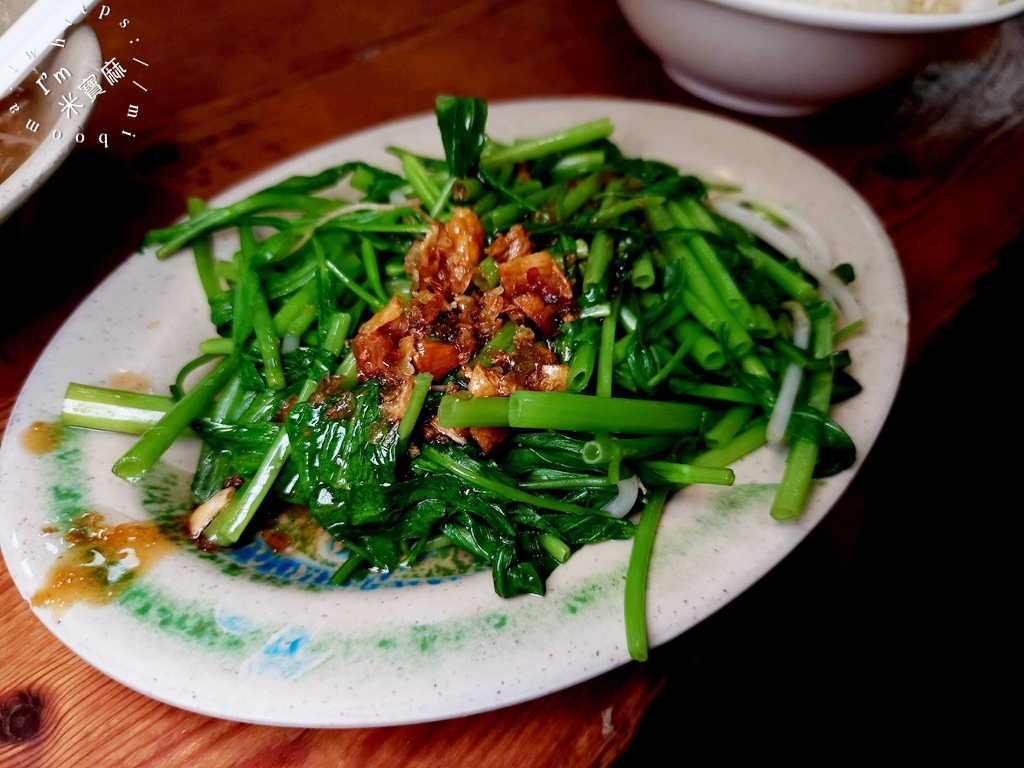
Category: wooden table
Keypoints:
(226, 88)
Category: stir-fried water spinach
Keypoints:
(518, 350)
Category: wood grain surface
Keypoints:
(232, 87)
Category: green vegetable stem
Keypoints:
(560, 422)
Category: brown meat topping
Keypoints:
(444, 261)
(447, 320)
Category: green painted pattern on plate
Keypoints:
(66, 479)
(164, 494)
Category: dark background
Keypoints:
(890, 628)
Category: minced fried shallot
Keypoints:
(446, 320)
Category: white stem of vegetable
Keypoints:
(783, 410)
(290, 343)
(621, 505)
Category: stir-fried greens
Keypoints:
(518, 350)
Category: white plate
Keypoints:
(397, 651)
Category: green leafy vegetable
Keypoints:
(461, 122)
(412, 387)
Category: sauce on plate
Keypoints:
(41, 437)
(100, 562)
